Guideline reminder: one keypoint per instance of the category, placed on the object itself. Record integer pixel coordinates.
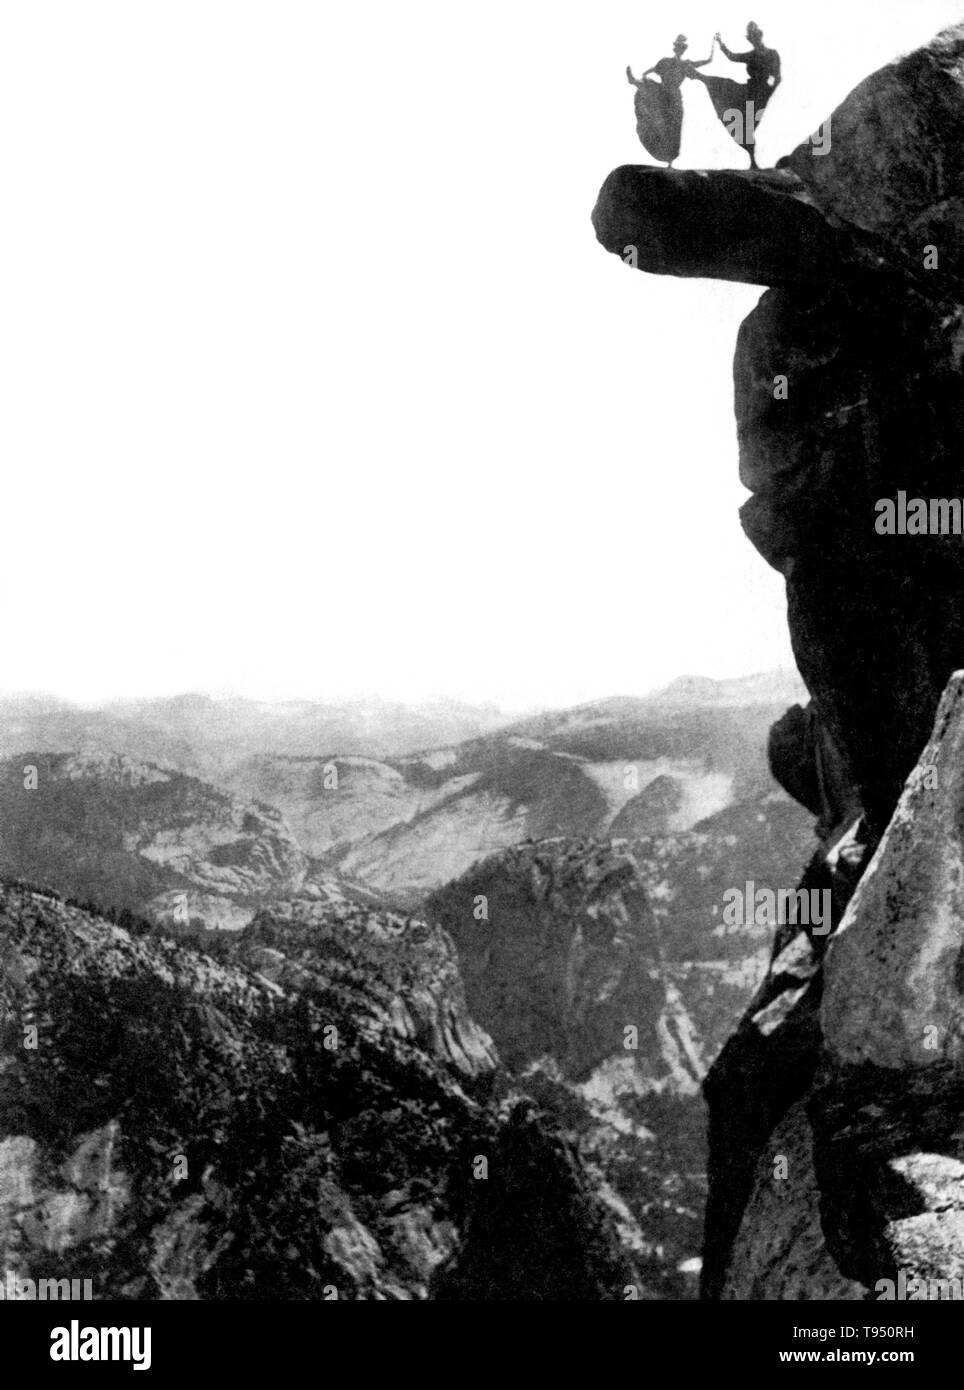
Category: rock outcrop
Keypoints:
(834, 1156)
(869, 333)
(760, 227)
(846, 1166)
(894, 161)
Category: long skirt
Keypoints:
(659, 119)
(737, 108)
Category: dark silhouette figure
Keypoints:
(740, 105)
(659, 105)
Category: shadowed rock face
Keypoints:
(761, 227)
(894, 994)
(895, 160)
(859, 1067)
(874, 406)
(836, 1144)
(871, 345)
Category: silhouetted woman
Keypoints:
(659, 105)
(740, 105)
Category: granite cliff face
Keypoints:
(609, 982)
(843, 1167)
(834, 1157)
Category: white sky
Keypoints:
(313, 377)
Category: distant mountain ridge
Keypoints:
(405, 824)
(656, 765)
(777, 687)
(195, 732)
(200, 735)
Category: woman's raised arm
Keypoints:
(734, 57)
(705, 61)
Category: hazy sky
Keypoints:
(313, 377)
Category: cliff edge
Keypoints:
(835, 1160)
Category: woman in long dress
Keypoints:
(659, 105)
(740, 105)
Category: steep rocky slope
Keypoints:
(179, 1128)
(844, 1168)
(609, 981)
(834, 1157)
(124, 834)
